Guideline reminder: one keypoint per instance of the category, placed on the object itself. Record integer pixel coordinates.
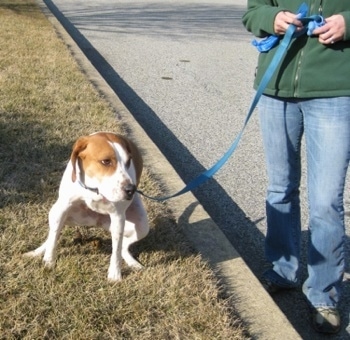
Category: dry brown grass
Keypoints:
(45, 104)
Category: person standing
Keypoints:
(309, 95)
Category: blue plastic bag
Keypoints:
(310, 24)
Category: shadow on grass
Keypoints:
(31, 161)
(164, 237)
(19, 9)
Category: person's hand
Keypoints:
(332, 31)
(283, 20)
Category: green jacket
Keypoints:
(308, 69)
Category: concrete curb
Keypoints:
(256, 308)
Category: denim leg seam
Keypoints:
(296, 219)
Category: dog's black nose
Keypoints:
(129, 190)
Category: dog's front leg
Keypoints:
(117, 231)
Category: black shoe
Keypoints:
(273, 288)
(326, 320)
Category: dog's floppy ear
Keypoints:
(78, 147)
(136, 157)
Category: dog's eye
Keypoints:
(106, 162)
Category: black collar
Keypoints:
(95, 190)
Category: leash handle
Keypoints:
(282, 48)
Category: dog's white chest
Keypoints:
(82, 214)
(101, 206)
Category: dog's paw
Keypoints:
(36, 252)
(131, 261)
(49, 265)
(114, 275)
(30, 254)
(136, 265)
(49, 262)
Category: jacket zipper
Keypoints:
(296, 79)
(313, 5)
(313, 9)
(320, 8)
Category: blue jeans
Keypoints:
(325, 122)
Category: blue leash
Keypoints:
(282, 48)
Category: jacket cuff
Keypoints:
(267, 22)
(346, 16)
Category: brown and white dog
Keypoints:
(98, 188)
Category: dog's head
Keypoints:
(108, 162)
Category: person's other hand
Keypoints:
(283, 20)
(332, 31)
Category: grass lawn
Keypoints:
(46, 103)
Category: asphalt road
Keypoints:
(185, 69)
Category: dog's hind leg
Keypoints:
(37, 252)
(57, 218)
(128, 258)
